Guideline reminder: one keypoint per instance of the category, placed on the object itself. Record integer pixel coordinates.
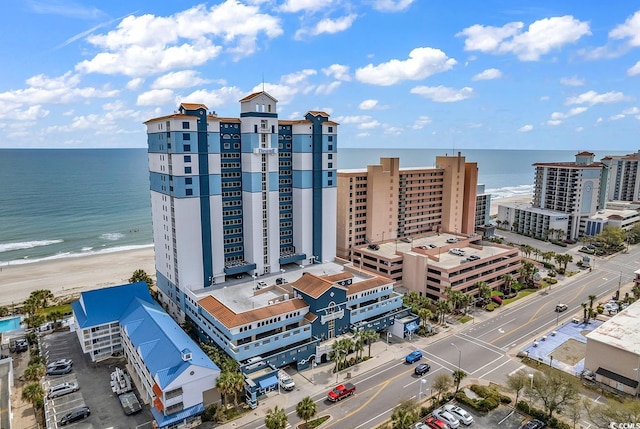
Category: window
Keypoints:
(330, 129)
(187, 158)
(186, 136)
(189, 191)
(329, 156)
(330, 147)
(187, 148)
(187, 170)
(330, 138)
(330, 165)
(185, 125)
(330, 183)
(189, 180)
(330, 174)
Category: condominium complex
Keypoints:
(621, 178)
(236, 196)
(566, 195)
(385, 202)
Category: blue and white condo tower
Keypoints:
(231, 196)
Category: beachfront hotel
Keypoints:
(621, 178)
(566, 195)
(239, 196)
(385, 202)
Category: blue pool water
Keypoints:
(10, 324)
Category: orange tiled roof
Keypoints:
(255, 94)
(372, 283)
(584, 153)
(318, 113)
(193, 106)
(339, 276)
(313, 285)
(230, 319)
(174, 115)
(293, 121)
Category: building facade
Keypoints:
(621, 181)
(385, 202)
(236, 196)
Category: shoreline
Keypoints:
(493, 212)
(70, 276)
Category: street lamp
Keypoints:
(255, 276)
(557, 313)
(388, 335)
(338, 362)
(422, 382)
(459, 355)
(531, 390)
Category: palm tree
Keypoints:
(401, 419)
(441, 384)
(42, 297)
(306, 409)
(484, 291)
(458, 376)
(224, 384)
(370, 337)
(358, 346)
(33, 393)
(591, 299)
(34, 372)
(425, 315)
(442, 308)
(54, 316)
(236, 385)
(585, 310)
(339, 352)
(276, 418)
(508, 280)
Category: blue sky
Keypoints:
(497, 74)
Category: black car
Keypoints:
(59, 370)
(534, 424)
(75, 415)
(422, 369)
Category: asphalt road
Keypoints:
(484, 350)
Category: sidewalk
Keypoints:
(319, 380)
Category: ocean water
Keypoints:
(57, 203)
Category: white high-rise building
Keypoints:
(235, 196)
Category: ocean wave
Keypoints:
(8, 247)
(86, 249)
(112, 236)
(76, 254)
(510, 191)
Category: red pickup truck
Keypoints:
(341, 391)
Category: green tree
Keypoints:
(370, 337)
(141, 276)
(458, 376)
(517, 382)
(507, 282)
(442, 383)
(33, 393)
(306, 409)
(405, 413)
(425, 315)
(442, 309)
(276, 418)
(224, 384)
(4, 311)
(34, 372)
(55, 317)
(592, 298)
(555, 390)
(484, 291)
(236, 385)
(601, 415)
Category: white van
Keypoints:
(285, 381)
(62, 389)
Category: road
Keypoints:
(484, 350)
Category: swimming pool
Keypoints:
(9, 324)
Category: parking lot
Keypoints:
(95, 389)
(500, 418)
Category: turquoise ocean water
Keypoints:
(57, 203)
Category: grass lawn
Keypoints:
(465, 319)
(520, 294)
(313, 423)
(64, 309)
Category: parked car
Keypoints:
(281, 281)
(18, 345)
(422, 369)
(62, 389)
(435, 423)
(459, 413)
(59, 370)
(60, 362)
(75, 415)
(419, 425)
(446, 417)
(452, 240)
(473, 257)
(286, 382)
(414, 356)
(534, 424)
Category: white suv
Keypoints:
(62, 389)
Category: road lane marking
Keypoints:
(499, 366)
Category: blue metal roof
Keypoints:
(164, 421)
(161, 341)
(107, 305)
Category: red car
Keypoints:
(435, 423)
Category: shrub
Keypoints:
(490, 307)
(496, 299)
(488, 404)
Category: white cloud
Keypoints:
(631, 111)
(443, 94)
(391, 5)
(572, 81)
(634, 70)
(328, 88)
(290, 85)
(579, 129)
(545, 98)
(295, 6)
(144, 45)
(421, 122)
(630, 29)
(337, 71)
(525, 128)
(592, 97)
(216, 98)
(558, 117)
(362, 135)
(155, 97)
(134, 84)
(353, 119)
(554, 122)
(422, 63)
(599, 120)
(328, 25)
(616, 117)
(488, 74)
(368, 104)
(180, 79)
(541, 37)
(393, 130)
(369, 125)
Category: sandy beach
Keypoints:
(70, 276)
